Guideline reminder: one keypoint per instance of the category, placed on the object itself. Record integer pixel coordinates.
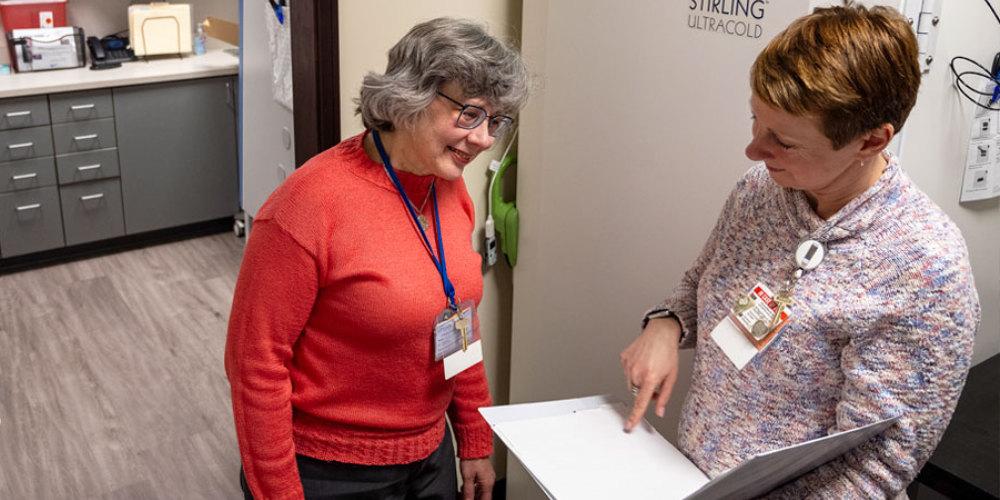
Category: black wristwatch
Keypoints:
(658, 312)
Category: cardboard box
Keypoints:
(223, 30)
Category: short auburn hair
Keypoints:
(854, 67)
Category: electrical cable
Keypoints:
(973, 62)
(994, 11)
(969, 87)
(964, 87)
(992, 74)
(509, 144)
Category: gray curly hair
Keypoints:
(436, 52)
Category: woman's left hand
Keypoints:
(477, 479)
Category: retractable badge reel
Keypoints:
(808, 256)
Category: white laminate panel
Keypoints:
(214, 63)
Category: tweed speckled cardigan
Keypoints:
(883, 327)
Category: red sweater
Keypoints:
(330, 346)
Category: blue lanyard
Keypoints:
(442, 267)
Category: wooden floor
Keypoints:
(111, 376)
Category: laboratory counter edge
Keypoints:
(220, 62)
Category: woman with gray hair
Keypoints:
(353, 330)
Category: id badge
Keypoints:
(740, 335)
(456, 340)
(455, 331)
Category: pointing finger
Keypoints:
(639, 407)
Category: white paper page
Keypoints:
(585, 454)
(495, 415)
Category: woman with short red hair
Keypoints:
(832, 293)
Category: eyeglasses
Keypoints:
(471, 116)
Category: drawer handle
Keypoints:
(85, 137)
(92, 197)
(21, 145)
(33, 206)
(23, 177)
(84, 168)
(81, 107)
(15, 114)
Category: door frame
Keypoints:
(315, 77)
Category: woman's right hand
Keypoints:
(650, 363)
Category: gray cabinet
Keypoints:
(177, 152)
(87, 166)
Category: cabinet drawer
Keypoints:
(76, 106)
(30, 221)
(84, 136)
(27, 174)
(24, 143)
(24, 112)
(89, 166)
(92, 211)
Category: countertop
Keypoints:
(162, 69)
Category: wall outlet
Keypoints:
(981, 179)
(979, 153)
(491, 251)
(983, 127)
